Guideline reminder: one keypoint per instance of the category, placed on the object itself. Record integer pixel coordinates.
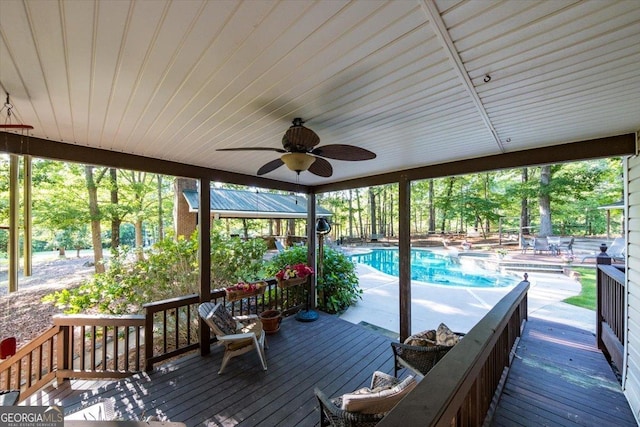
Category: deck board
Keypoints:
(560, 378)
(332, 354)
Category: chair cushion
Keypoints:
(379, 400)
(445, 336)
(424, 339)
(223, 319)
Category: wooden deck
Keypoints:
(560, 378)
(330, 353)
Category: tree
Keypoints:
(95, 215)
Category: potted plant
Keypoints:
(271, 321)
(244, 290)
(293, 275)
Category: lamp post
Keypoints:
(322, 227)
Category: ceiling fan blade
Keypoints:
(321, 167)
(272, 165)
(277, 150)
(343, 152)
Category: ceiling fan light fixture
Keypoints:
(297, 162)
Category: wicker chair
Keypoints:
(331, 413)
(419, 359)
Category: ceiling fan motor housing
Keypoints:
(299, 139)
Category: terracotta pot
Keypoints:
(271, 321)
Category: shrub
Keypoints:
(169, 269)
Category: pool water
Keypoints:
(427, 266)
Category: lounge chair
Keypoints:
(238, 335)
(616, 251)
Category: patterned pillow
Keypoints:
(223, 319)
(379, 400)
(445, 336)
(424, 339)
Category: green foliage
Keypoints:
(337, 286)
(587, 296)
(169, 269)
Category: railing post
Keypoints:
(602, 259)
(148, 340)
(64, 352)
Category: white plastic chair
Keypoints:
(238, 335)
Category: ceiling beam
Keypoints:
(27, 145)
(613, 146)
(440, 29)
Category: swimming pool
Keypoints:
(427, 266)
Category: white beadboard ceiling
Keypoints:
(417, 82)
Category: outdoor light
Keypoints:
(297, 162)
(323, 226)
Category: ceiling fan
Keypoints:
(300, 152)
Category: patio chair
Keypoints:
(238, 335)
(525, 244)
(616, 251)
(420, 352)
(568, 246)
(541, 244)
(367, 406)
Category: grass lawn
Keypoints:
(587, 297)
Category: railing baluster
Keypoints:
(126, 348)
(93, 348)
(116, 348)
(164, 331)
(177, 328)
(104, 349)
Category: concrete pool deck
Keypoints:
(461, 308)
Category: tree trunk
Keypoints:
(544, 201)
(372, 206)
(350, 213)
(524, 206)
(359, 213)
(447, 202)
(160, 211)
(139, 240)
(432, 209)
(115, 215)
(94, 212)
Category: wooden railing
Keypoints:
(33, 366)
(174, 322)
(85, 346)
(460, 389)
(610, 332)
(97, 346)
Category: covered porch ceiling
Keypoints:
(421, 83)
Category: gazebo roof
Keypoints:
(612, 206)
(227, 203)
